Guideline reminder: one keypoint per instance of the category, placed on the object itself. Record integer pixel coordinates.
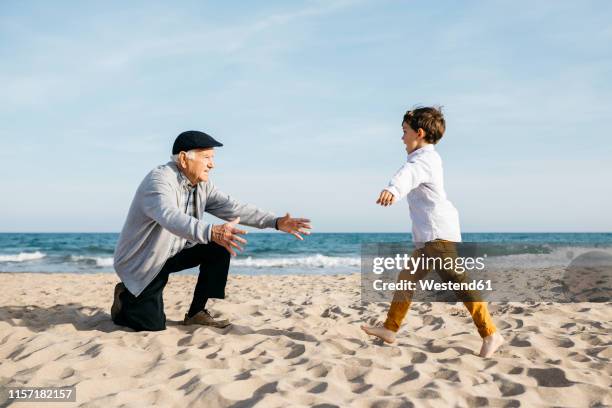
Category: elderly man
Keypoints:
(165, 233)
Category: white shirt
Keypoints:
(421, 180)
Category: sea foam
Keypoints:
(93, 260)
(312, 261)
(22, 257)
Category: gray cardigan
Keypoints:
(155, 221)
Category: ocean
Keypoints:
(275, 253)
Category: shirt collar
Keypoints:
(426, 148)
(184, 181)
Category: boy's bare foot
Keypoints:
(385, 335)
(490, 344)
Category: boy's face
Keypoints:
(413, 140)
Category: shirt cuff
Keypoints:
(393, 191)
(209, 233)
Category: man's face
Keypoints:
(197, 169)
(409, 137)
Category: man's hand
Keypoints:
(226, 236)
(385, 198)
(294, 226)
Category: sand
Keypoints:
(295, 341)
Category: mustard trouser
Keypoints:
(402, 299)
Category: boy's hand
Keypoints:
(385, 198)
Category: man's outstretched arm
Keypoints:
(225, 207)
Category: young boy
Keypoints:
(435, 223)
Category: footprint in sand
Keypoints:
(418, 358)
(508, 388)
(179, 374)
(361, 388)
(428, 393)
(333, 312)
(355, 374)
(411, 375)
(435, 321)
(516, 370)
(432, 348)
(184, 341)
(296, 351)
(448, 375)
(248, 392)
(68, 372)
(565, 343)
(550, 377)
(520, 341)
(191, 385)
(579, 358)
(363, 362)
(319, 371)
(243, 376)
(482, 402)
(336, 344)
(319, 388)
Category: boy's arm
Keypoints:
(408, 177)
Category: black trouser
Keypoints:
(146, 312)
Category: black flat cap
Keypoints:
(193, 139)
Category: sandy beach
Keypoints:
(295, 341)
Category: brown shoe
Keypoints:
(205, 319)
(116, 307)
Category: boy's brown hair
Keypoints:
(430, 119)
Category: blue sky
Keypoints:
(308, 98)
